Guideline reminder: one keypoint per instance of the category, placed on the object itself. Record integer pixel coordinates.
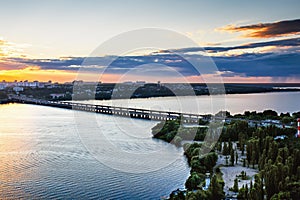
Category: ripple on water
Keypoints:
(42, 157)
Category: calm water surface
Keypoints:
(42, 156)
(235, 103)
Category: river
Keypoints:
(42, 157)
(234, 103)
(44, 153)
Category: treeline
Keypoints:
(278, 160)
(238, 130)
(200, 166)
(267, 114)
(173, 132)
(241, 131)
(279, 168)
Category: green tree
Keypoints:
(281, 195)
(258, 186)
(236, 185)
(287, 120)
(246, 191)
(226, 150)
(270, 113)
(216, 189)
(242, 148)
(193, 182)
(242, 193)
(232, 157)
(199, 194)
(253, 158)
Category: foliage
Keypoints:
(278, 161)
(166, 131)
(235, 130)
(235, 186)
(216, 188)
(232, 158)
(194, 180)
(171, 131)
(3, 95)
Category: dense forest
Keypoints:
(277, 159)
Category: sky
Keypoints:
(62, 40)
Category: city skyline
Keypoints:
(249, 42)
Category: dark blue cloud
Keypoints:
(60, 64)
(274, 64)
(279, 43)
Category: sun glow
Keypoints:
(32, 73)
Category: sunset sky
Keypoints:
(248, 41)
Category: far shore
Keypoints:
(169, 96)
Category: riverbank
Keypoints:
(245, 154)
(107, 91)
(5, 101)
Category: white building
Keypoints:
(57, 96)
(18, 89)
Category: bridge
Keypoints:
(115, 110)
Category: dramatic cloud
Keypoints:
(267, 30)
(107, 64)
(247, 65)
(280, 63)
(266, 65)
(294, 42)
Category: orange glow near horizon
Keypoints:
(12, 69)
(35, 73)
(32, 73)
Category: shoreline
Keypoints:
(234, 167)
(199, 95)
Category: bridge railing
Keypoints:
(115, 110)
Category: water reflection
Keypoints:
(42, 156)
(235, 103)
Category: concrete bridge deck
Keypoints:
(115, 110)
